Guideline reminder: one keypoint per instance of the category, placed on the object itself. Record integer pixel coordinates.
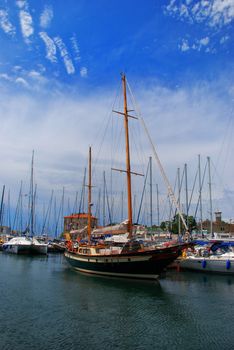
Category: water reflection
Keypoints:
(74, 310)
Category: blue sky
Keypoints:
(60, 63)
(168, 40)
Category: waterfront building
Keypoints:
(219, 226)
(76, 224)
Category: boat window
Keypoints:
(84, 251)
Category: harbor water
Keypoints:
(47, 305)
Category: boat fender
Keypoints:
(228, 264)
(203, 264)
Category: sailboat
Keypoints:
(131, 259)
(211, 257)
(26, 244)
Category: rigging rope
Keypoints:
(170, 191)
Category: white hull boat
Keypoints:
(39, 247)
(24, 245)
(214, 262)
(210, 264)
(18, 245)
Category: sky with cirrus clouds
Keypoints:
(60, 65)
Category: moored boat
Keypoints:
(132, 259)
(24, 245)
(39, 247)
(216, 257)
(56, 246)
(18, 245)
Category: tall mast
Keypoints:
(179, 221)
(89, 198)
(1, 208)
(9, 210)
(107, 198)
(55, 217)
(151, 195)
(34, 208)
(81, 206)
(62, 208)
(122, 200)
(157, 204)
(104, 201)
(186, 191)
(128, 168)
(32, 197)
(200, 191)
(211, 209)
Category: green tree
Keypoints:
(190, 220)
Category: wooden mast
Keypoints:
(89, 198)
(128, 168)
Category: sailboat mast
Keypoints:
(104, 201)
(200, 191)
(32, 196)
(151, 194)
(89, 198)
(128, 169)
(1, 209)
(211, 209)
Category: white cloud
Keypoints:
(34, 74)
(204, 41)
(222, 11)
(22, 81)
(17, 68)
(50, 47)
(196, 45)
(41, 68)
(46, 17)
(21, 3)
(65, 55)
(191, 121)
(5, 24)
(5, 77)
(41, 124)
(224, 39)
(83, 72)
(26, 24)
(75, 48)
(216, 13)
(26, 20)
(184, 46)
(36, 79)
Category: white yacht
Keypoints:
(24, 245)
(18, 245)
(220, 261)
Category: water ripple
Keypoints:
(46, 305)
